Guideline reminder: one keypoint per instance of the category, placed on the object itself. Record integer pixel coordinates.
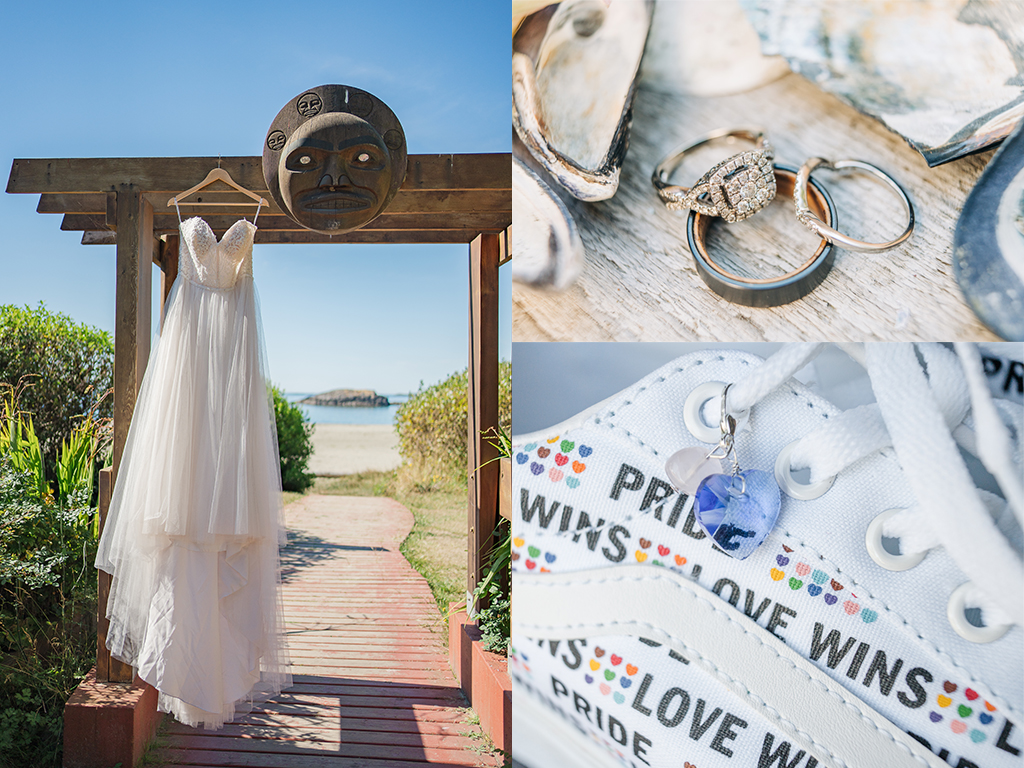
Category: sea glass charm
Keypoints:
(687, 467)
(737, 511)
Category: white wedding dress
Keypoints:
(195, 522)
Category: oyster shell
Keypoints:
(947, 75)
(546, 248)
(706, 49)
(574, 76)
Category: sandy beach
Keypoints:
(344, 449)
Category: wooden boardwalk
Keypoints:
(372, 683)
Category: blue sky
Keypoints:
(188, 78)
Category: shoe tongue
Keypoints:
(1004, 370)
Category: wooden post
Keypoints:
(484, 255)
(102, 654)
(134, 217)
(168, 271)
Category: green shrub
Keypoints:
(47, 613)
(432, 429)
(495, 618)
(69, 366)
(294, 442)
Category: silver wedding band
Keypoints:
(814, 223)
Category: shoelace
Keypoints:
(924, 417)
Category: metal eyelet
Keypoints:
(803, 491)
(709, 390)
(966, 630)
(889, 561)
(694, 405)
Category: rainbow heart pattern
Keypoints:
(615, 670)
(814, 582)
(530, 556)
(961, 711)
(562, 460)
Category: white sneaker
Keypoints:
(636, 642)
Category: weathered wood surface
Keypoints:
(174, 174)
(372, 685)
(135, 245)
(406, 201)
(639, 281)
(484, 255)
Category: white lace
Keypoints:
(923, 413)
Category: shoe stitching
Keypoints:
(718, 671)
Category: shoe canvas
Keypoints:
(592, 495)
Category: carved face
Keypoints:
(335, 172)
(309, 104)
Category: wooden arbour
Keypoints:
(463, 198)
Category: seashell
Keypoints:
(706, 49)
(988, 247)
(946, 76)
(575, 68)
(546, 248)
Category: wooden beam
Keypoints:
(173, 174)
(484, 253)
(406, 201)
(394, 237)
(168, 223)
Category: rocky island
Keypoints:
(357, 398)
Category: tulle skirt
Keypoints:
(192, 536)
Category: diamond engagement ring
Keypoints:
(736, 188)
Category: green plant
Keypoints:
(47, 584)
(294, 442)
(492, 592)
(494, 618)
(432, 428)
(19, 442)
(47, 614)
(70, 365)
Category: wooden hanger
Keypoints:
(217, 174)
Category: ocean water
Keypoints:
(332, 414)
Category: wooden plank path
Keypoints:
(372, 683)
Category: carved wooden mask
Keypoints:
(334, 158)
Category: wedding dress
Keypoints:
(191, 539)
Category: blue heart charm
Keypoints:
(738, 513)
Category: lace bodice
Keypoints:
(204, 260)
